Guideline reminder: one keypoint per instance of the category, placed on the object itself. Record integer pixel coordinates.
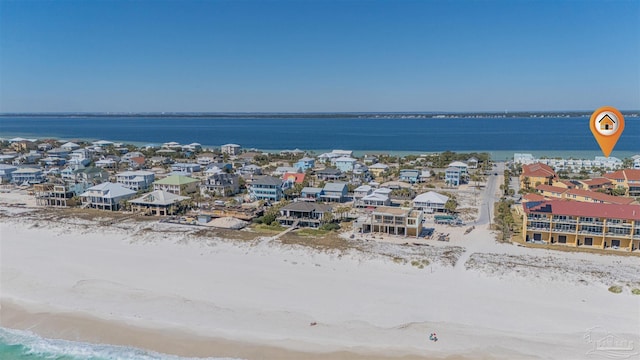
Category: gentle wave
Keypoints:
(25, 345)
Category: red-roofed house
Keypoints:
(297, 178)
(535, 174)
(604, 226)
(628, 179)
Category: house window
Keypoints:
(588, 241)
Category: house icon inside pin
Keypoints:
(606, 123)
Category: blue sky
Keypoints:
(322, 56)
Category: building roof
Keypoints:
(379, 166)
(575, 208)
(312, 190)
(452, 169)
(304, 206)
(549, 188)
(533, 197)
(376, 197)
(598, 196)
(628, 174)
(363, 188)
(159, 197)
(230, 145)
(346, 159)
(176, 180)
(597, 182)
(266, 180)
(328, 171)
(458, 164)
(431, 197)
(295, 177)
(27, 171)
(335, 187)
(135, 173)
(537, 170)
(391, 211)
(110, 190)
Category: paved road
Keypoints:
(491, 194)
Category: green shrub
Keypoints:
(615, 289)
(635, 291)
(330, 227)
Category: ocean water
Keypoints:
(24, 345)
(541, 136)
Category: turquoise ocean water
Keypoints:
(24, 345)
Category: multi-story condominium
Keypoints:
(221, 184)
(602, 226)
(627, 179)
(394, 221)
(135, 180)
(106, 196)
(266, 188)
(230, 149)
(177, 184)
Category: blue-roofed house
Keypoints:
(334, 192)
(305, 163)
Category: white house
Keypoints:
(430, 202)
(135, 180)
(106, 196)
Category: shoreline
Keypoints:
(91, 329)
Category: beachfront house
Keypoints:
(393, 221)
(472, 163)
(107, 163)
(305, 163)
(53, 195)
(310, 194)
(135, 180)
(230, 149)
(177, 184)
(5, 173)
(266, 188)
(334, 192)
(106, 196)
(27, 176)
(159, 203)
(430, 202)
(452, 176)
(569, 223)
(221, 184)
(411, 176)
(304, 214)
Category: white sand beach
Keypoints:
(166, 288)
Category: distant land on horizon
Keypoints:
(315, 115)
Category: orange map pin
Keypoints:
(607, 124)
